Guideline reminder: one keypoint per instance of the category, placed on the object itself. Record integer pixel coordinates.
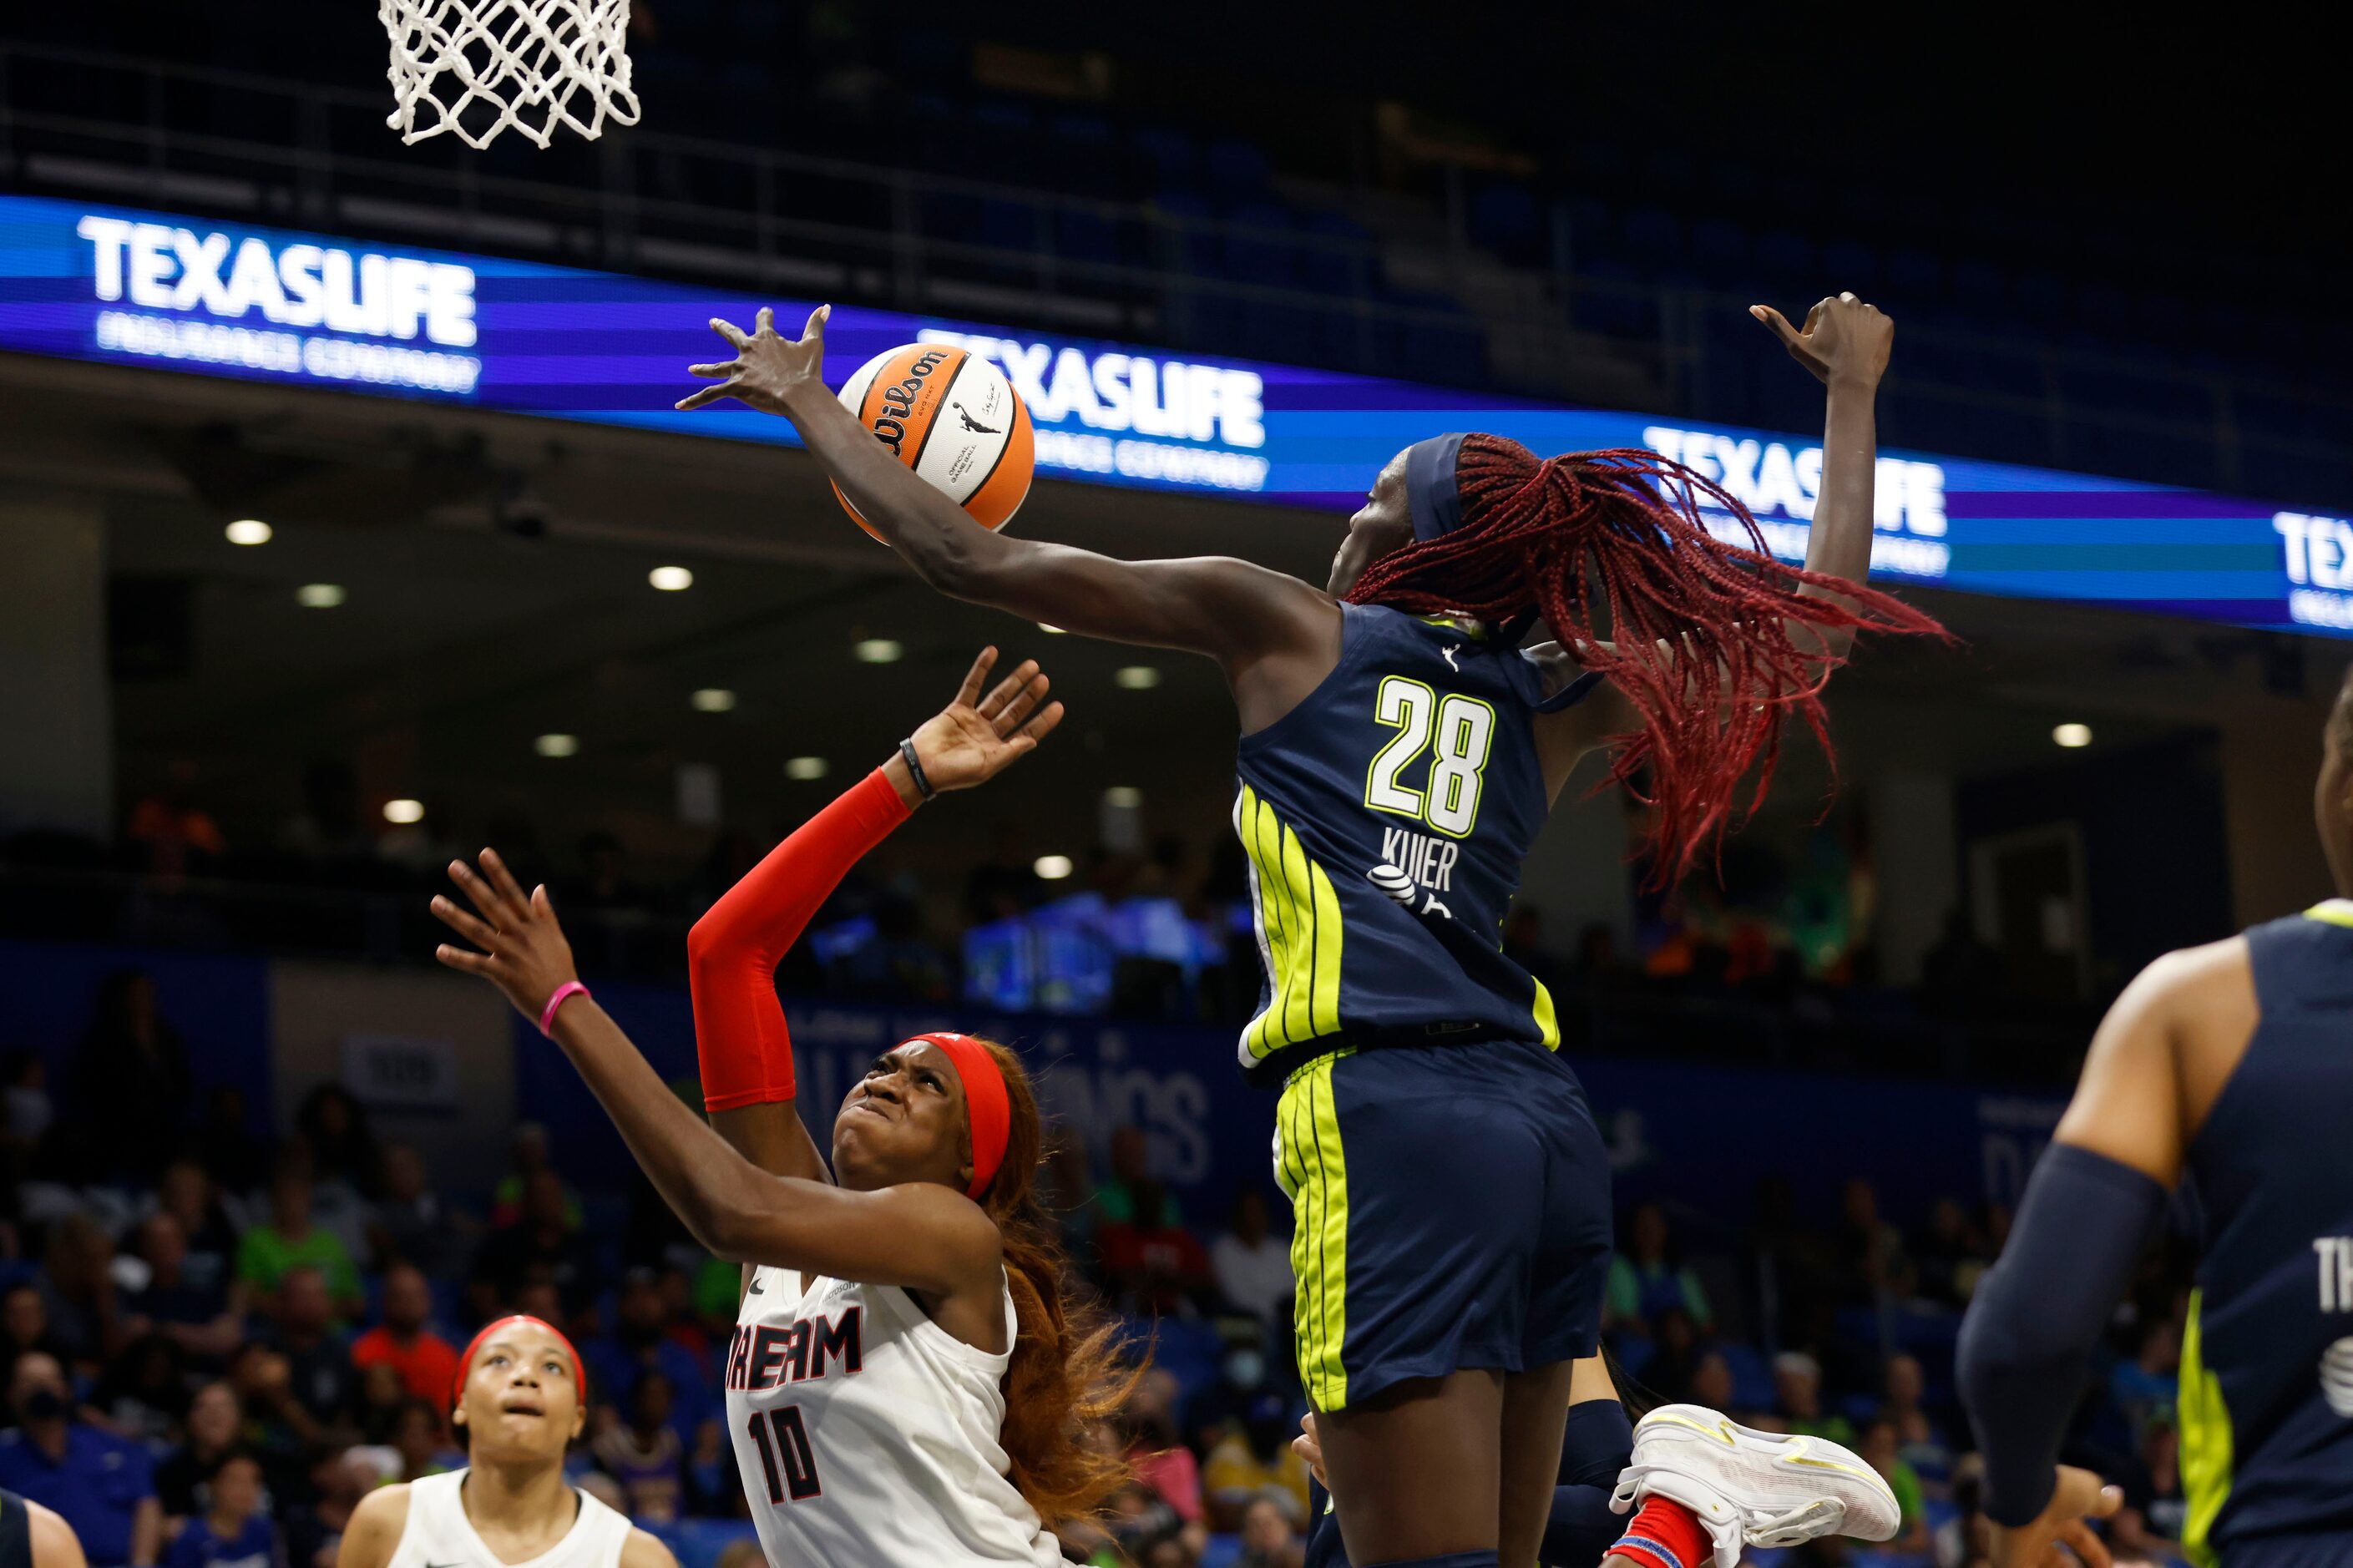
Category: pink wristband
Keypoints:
(563, 992)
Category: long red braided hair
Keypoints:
(1699, 633)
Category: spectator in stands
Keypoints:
(204, 1320)
(320, 1375)
(1216, 1411)
(2154, 1512)
(342, 1146)
(208, 1241)
(1152, 1263)
(101, 1484)
(1006, 885)
(171, 836)
(233, 1530)
(1255, 1462)
(1951, 1255)
(329, 831)
(1871, 1250)
(143, 1391)
(416, 1438)
(1793, 1267)
(427, 1362)
(528, 1152)
(1918, 1438)
(1674, 1355)
(1960, 974)
(410, 1223)
(1270, 1539)
(24, 1329)
(215, 1425)
(2149, 1385)
(1155, 1452)
(1250, 1264)
(27, 1111)
(314, 1530)
(643, 1452)
(1131, 1176)
(77, 1291)
(130, 1079)
(1879, 1451)
(382, 1396)
(288, 1240)
(1648, 1278)
(1798, 1380)
(1712, 1384)
(239, 1159)
(641, 1345)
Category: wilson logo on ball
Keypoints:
(982, 458)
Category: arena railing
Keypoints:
(816, 225)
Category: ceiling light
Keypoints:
(712, 700)
(1051, 867)
(878, 651)
(670, 579)
(805, 767)
(1137, 676)
(249, 531)
(2073, 735)
(1124, 795)
(403, 811)
(318, 596)
(556, 745)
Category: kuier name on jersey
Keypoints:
(301, 284)
(1776, 482)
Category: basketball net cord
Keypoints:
(532, 64)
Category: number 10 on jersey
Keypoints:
(1456, 731)
(789, 1467)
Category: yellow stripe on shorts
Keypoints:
(1315, 1172)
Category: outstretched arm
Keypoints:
(920, 1235)
(1231, 610)
(745, 1051)
(1845, 343)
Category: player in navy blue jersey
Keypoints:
(1401, 749)
(2226, 1070)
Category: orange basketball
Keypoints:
(954, 419)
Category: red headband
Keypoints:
(465, 1361)
(986, 1102)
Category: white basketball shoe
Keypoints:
(1751, 1487)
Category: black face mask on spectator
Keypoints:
(43, 1405)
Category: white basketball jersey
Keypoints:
(439, 1535)
(868, 1435)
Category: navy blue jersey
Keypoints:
(2267, 1365)
(1386, 818)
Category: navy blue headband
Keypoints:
(1431, 495)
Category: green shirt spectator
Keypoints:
(1647, 1281)
(268, 1252)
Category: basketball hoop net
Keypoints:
(476, 67)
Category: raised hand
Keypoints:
(766, 367)
(974, 738)
(523, 952)
(1843, 339)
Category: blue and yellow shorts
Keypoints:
(1451, 1209)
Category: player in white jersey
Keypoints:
(519, 1401)
(906, 1382)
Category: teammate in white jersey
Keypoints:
(907, 1382)
(518, 1404)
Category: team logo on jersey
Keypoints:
(1448, 653)
(2336, 1377)
(766, 1355)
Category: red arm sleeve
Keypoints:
(733, 950)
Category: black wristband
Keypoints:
(915, 768)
